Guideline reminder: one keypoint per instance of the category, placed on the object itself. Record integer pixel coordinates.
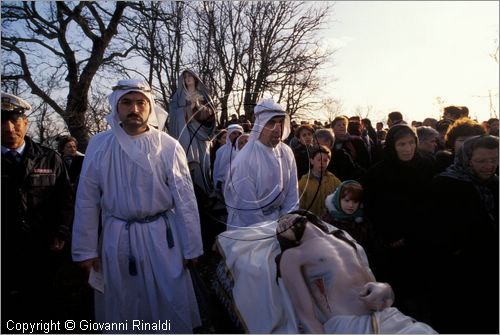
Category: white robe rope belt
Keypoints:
(132, 264)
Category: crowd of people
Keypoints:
(420, 201)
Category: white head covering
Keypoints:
(231, 129)
(157, 118)
(264, 111)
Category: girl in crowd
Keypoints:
(345, 211)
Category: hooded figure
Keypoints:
(332, 203)
(262, 182)
(136, 215)
(225, 155)
(394, 194)
(192, 123)
(354, 223)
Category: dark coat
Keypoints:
(74, 170)
(37, 194)
(37, 206)
(444, 158)
(344, 167)
(302, 155)
(394, 192)
(356, 148)
(462, 253)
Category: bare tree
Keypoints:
(363, 112)
(260, 48)
(217, 30)
(65, 43)
(333, 107)
(493, 112)
(95, 118)
(45, 126)
(242, 50)
(155, 32)
(279, 57)
(439, 102)
(494, 54)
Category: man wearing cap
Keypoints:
(37, 210)
(262, 182)
(136, 180)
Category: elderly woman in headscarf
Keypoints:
(462, 231)
(136, 218)
(192, 123)
(261, 184)
(394, 193)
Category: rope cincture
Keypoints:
(132, 263)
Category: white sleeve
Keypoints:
(84, 243)
(187, 219)
(291, 201)
(218, 159)
(240, 194)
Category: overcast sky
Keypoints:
(402, 55)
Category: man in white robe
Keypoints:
(135, 180)
(225, 155)
(261, 184)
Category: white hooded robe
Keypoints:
(261, 184)
(125, 177)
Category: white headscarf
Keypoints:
(231, 129)
(157, 118)
(264, 111)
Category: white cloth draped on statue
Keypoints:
(249, 255)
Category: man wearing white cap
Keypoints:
(136, 180)
(261, 184)
(37, 209)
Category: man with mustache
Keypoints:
(261, 183)
(135, 180)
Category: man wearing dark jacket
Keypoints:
(37, 211)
